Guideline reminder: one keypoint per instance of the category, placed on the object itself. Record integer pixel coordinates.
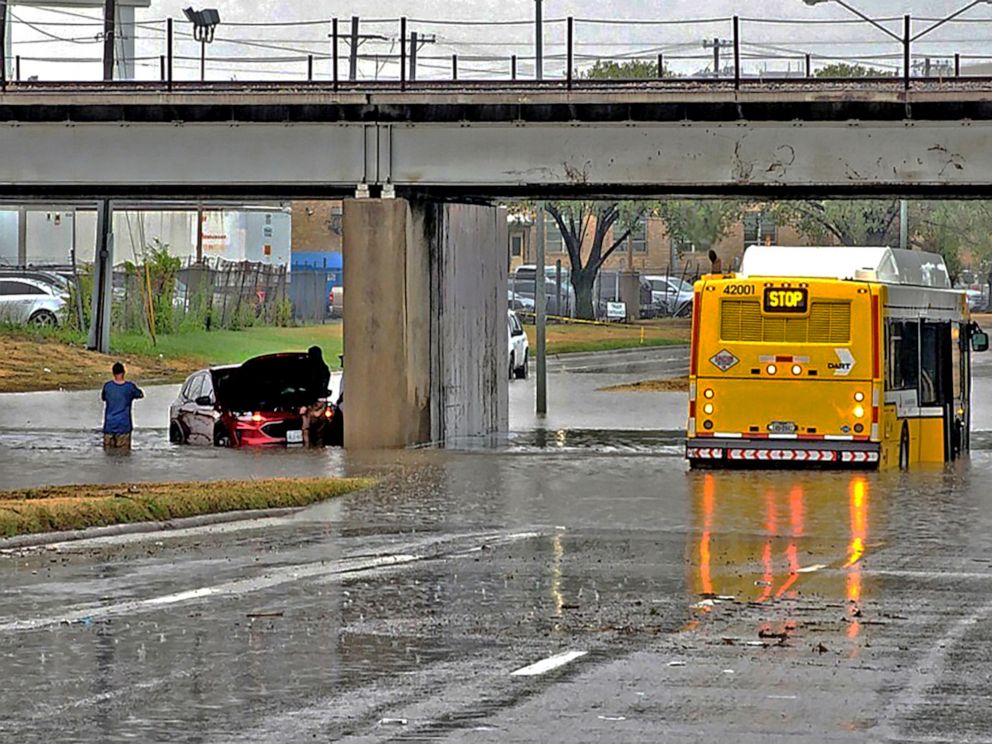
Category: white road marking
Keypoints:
(546, 665)
(812, 569)
(334, 570)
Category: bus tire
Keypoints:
(904, 447)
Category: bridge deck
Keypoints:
(552, 101)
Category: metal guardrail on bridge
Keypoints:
(371, 53)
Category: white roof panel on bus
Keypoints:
(878, 263)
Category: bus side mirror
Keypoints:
(979, 341)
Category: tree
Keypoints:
(701, 222)
(575, 220)
(635, 69)
(598, 220)
(845, 70)
(960, 231)
(848, 222)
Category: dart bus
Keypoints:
(833, 356)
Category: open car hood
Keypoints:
(271, 383)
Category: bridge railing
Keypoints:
(67, 46)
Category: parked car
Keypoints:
(520, 294)
(29, 301)
(335, 302)
(976, 298)
(58, 281)
(254, 403)
(521, 302)
(519, 351)
(670, 294)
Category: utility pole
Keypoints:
(538, 42)
(3, 44)
(716, 45)
(199, 233)
(109, 19)
(540, 315)
(355, 40)
(903, 224)
(418, 42)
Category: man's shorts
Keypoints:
(117, 441)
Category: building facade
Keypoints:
(649, 249)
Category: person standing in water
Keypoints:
(118, 395)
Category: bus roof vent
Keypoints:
(870, 263)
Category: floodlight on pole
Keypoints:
(204, 23)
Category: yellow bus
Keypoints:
(834, 356)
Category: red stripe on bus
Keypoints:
(874, 414)
(817, 437)
(704, 434)
(783, 358)
(692, 409)
(874, 337)
(694, 349)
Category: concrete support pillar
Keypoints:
(103, 279)
(425, 322)
(630, 293)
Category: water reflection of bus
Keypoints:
(839, 356)
(759, 540)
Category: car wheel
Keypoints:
(176, 433)
(44, 318)
(904, 447)
(521, 371)
(221, 437)
(513, 368)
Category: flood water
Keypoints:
(780, 606)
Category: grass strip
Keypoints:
(58, 508)
(666, 385)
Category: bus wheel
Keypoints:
(904, 447)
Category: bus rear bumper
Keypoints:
(720, 452)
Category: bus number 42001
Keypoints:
(739, 289)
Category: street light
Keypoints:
(907, 37)
(951, 17)
(860, 15)
(204, 23)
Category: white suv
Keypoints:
(519, 351)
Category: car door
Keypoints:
(206, 415)
(187, 410)
(518, 338)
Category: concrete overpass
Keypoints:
(790, 138)
(426, 278)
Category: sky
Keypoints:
(270, 52)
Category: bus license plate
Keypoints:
(294, 436)
(782, 427)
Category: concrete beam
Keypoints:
(748, 158)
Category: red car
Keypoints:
(254, 403)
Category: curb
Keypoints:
(134, 528)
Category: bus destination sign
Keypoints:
(786, 300)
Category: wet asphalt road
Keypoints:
(771, 606)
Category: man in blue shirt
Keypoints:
(118, 396)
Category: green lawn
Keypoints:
(229, 347)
